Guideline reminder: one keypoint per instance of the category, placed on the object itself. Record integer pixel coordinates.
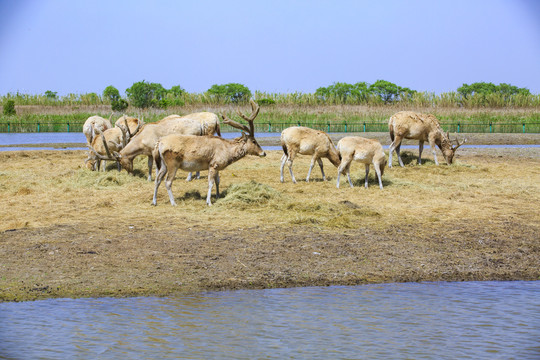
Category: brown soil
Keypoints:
(69, 232)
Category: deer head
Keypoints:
(449, 150)
(252, 146)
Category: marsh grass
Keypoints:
(329, 118)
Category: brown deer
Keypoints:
(305, 141)
(366, 151)
(421, 127)
(212, 153)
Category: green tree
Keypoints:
(50, 94)
(232, 92)
(177, 91)
(385, 90)
(119, 105)
(111, 93)
(9, 108)
(143, 94)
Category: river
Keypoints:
(459, 320)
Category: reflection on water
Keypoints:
(477, 320)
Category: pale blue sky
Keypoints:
(275, 46)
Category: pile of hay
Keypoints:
(249, 193)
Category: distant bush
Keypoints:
(111, 93)
(232, 92)
(264, 102)
(9, 108)
(51, 95)
(119, 105)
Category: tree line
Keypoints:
(145, 94)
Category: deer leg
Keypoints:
(420, 149)
(217, 184)
(104, 166)
(349, 174)
(433, 149)
(150, 164)
(283, 161)
(395, 145)
(342, 168)
(290, 160)
(367, 176)
(198, 175)
(189, 177)
(311, 166)
(168, 184)
(211, 178)
(159, 178)
(379, 176)
(119, 166)
(319, 160)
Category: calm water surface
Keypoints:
(468, 320)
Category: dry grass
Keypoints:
(51, 203)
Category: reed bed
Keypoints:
(275, 118)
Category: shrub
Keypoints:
(9, 108)
(111, 93)
(119, 105)
(232, 92)
(264, 102)
(51, 94)
(143, 94)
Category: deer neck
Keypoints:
(236, 151)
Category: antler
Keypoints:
(458, 144)
(254, 112)
(251, 129)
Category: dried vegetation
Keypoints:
(67, 231)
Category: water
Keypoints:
(74, 138)
(475, 320)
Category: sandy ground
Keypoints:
(69, 232)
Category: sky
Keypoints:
(273, 46)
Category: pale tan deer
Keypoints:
(212, 153)
(202, 123)
(305, 141)
(103, 144)
(421, 127)
(94, 123)
(133, 125)
(366, 151)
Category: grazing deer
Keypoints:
(305, 141)
(132, 125)
(363, 150)
(421, 127)
(114, 139)
(212, 153)
(202, 123)
(94, 123)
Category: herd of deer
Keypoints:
(188, 143)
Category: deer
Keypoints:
(104, 143)
(366, 151)
(94, 123)
(202, 123)
(132, 125)
(212, 153)
(306, 141)
(421, 127)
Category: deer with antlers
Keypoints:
(421, 127)
(212, 153)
